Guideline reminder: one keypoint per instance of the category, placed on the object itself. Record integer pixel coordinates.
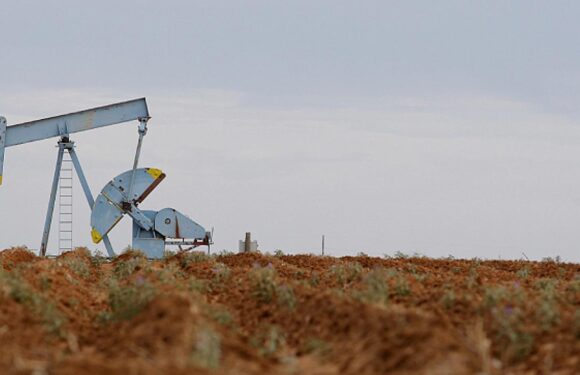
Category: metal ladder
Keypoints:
(65, 205)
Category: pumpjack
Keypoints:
(152, 230)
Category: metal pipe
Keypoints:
(50, 210)
(142, 132)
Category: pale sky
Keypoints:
(446, 127)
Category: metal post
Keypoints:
(87, 191)
(142, 132)
(248, 243)
(323, 244)
(52, 198)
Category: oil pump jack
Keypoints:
(152, 230)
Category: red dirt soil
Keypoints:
(301, 314)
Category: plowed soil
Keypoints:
(262, 314)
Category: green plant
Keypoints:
(400, 255)
(134, 261)
(316, 347)
(128, 300)
(278, 253)
(19, 290)
(219, 314)
(285, 296)
(448, 299)
(523, 273)
(375, 287)
(402, 287)
(346, 273)
(576, 324)
(514, 342)
(269, 340)
(78, 265)
(194, 257)
(221, 273)
(265, 287)
(207, 349)
(263, 283)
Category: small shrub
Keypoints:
(523, 273)
(375, 287)
(316, 347)
(126, 267)
(268, 341)
(194, 257)
(263, 282)
(402, 287)
(278, 253)
(219, 314)
(448, 299)
(21, 292)
(346, 273)
(207, 349)
(127, 301)
(221, 273)
(78, 265)
(285, 296)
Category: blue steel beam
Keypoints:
(70, 123)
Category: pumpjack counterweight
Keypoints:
(152, 230)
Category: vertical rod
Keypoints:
(323, 244)
(88, 194)
(142, 132)
(51, 200)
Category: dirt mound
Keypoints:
(12, 257)
(255, 314)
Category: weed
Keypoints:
(546, 311)
(194, 257)
(472, 278)
(346, 273)
(45, 283)
(265, 287)
(268, 341)
(316, 347)
(127, 267)
(207, 349)
(523, 273)
(576, 324)
(21, 292)
(375, 287)
(285, 296)
(127, 301)
(402, 286)
(278, 253)
(221, 273)
(98, 259)
(448, 299)
(170, 273)
(78, 265)
(314, 279)
(515, 343)
(263, 281)
(198, 286)
(400, 255)
(219, 314)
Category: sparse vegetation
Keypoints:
(288, 314)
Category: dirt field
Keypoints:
(257, 314)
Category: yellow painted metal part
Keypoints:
(0, 179)
(154, 172)
(96, 236)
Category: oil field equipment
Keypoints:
(152, 230)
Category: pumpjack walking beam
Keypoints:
(62, 126)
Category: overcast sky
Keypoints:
(447, 127)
